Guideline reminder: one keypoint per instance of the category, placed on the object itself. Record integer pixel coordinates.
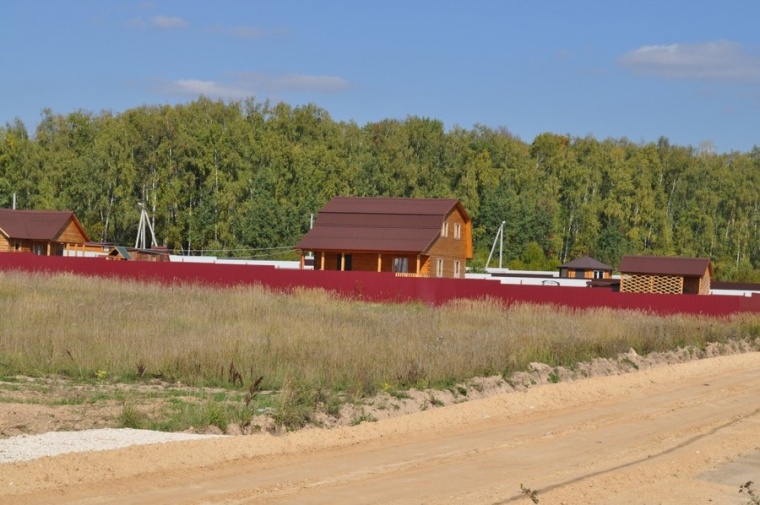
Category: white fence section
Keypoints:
(176, 258)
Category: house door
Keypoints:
(346, 262)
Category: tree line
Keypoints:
(242, 179)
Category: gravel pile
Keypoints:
(28, 447)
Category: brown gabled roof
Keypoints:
(586, 263)
(665, 265)
(44, 225)
(405, 225)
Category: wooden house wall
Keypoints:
(704, 285)
(30, 246)
(145, 256)
(368, 262)
(696, 285)
(71, 234)
(451, 249)
(570, 273)
(691, 285)
(7, 245)
(425, 266)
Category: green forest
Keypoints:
(242, 179)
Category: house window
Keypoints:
(598, 274)
(456, 267)
(38, 249)
(457, 231)
(445, 229)
(401, 265)
(439, 268)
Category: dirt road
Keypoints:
(687, 433)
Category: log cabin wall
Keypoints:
(585, 274)
(450, 248)
(17, 245)
(368, 262)
(9, 245)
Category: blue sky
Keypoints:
(686, 70)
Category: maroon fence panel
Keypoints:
(381, 287)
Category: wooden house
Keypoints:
(666, 275)
(585, 268)
(424, 237)
(42, 232)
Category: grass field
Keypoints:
(309, 346)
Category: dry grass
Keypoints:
(112, 330)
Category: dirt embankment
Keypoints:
(681, 433)
(40, 405)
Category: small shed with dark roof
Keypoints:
(122, 253)
(42, 232)
(409, 236)
(585, 267)
(664, 274)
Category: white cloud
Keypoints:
(716, 61)
(252, 84)
(160, 22)
(210, 89)
(295, 82)
(248, 32)
(168, 22)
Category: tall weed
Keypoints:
(308, 340)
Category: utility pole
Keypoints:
(144, 223)
(499, 238)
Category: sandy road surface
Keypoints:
(687, 433)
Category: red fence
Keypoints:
(380, 287)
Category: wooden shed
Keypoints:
(425, 237)
(122, 253)
(585, 267)
(666, 275)
(42, 232)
